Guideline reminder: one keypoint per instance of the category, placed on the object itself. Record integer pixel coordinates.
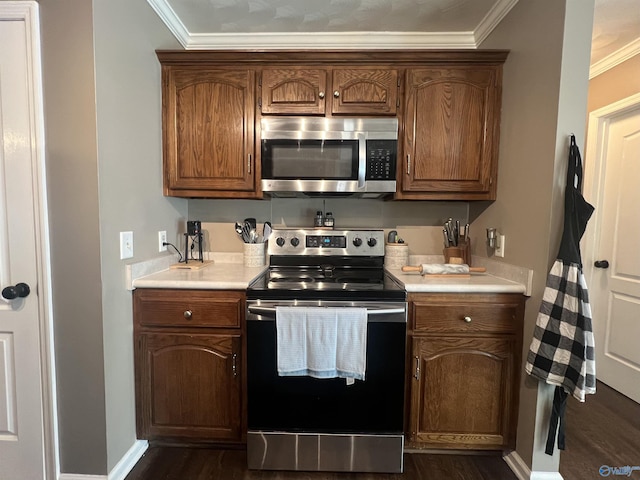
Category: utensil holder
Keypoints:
(462, 250)
(253, 254)
(396, 255)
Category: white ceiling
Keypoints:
(351, 24)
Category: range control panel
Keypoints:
(365, 242)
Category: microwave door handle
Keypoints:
(362, 159)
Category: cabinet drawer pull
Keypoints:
(188, 314)
(321, 94)
(234, 367)
(249, 162)
(467, 319)
(336, 94)
(408, 164)
(417, 372)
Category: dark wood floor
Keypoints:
(209, 464)
(605, 430)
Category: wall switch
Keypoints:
(126, 245)
(499, 251)
(162, 239)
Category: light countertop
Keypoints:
(476, 283)
(235, 276)
(217, 276)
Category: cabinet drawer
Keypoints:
(188, 308)
(464, 318)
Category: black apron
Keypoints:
(562, 348)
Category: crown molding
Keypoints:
(171, 20)
(630, 50)
(336, 40)
(491, 20)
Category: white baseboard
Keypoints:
(523, 472)
(77, 476)
(122, 468)
(546, 476)
(129, 460)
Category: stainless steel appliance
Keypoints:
(310, 156)
(305, 423)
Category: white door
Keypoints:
(21, 393)
(613, 155)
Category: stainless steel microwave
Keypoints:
(313, 156)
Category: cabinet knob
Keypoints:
(336, 94)
(321, 94)
(188, 314)
(467, 319)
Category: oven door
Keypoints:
(306, 404)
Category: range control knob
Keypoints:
(295, 242)
(280, 241)
(357, 242)
(372, 242)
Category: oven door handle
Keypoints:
(272, 310)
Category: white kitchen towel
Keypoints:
(351, 355)
(321, 342)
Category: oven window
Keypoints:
(310, 159)
(305, 404)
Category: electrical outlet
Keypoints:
(162, 239)
(126, 245)
(499, 251)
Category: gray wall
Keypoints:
(544, 100)
(103, 140)
(72, 182)
(130, 175)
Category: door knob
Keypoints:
(20, 290)
(601, 264)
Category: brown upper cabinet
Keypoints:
(451, 133)
(329, 91)
(208, 132)
(447, 104)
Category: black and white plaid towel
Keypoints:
(562, 348)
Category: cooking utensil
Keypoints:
(252, 223)
(266, 231)
(443, 268)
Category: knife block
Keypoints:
(462, 250)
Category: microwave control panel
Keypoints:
(381, 159)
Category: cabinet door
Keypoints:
(461, 392)
(365, 91)
(208, 129)
(188, 386)
(451, 134)
(293, 91)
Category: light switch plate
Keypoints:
(126, 245)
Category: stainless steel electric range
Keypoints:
(326, 424)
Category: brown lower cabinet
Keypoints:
(188, 365)
(464, 370)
